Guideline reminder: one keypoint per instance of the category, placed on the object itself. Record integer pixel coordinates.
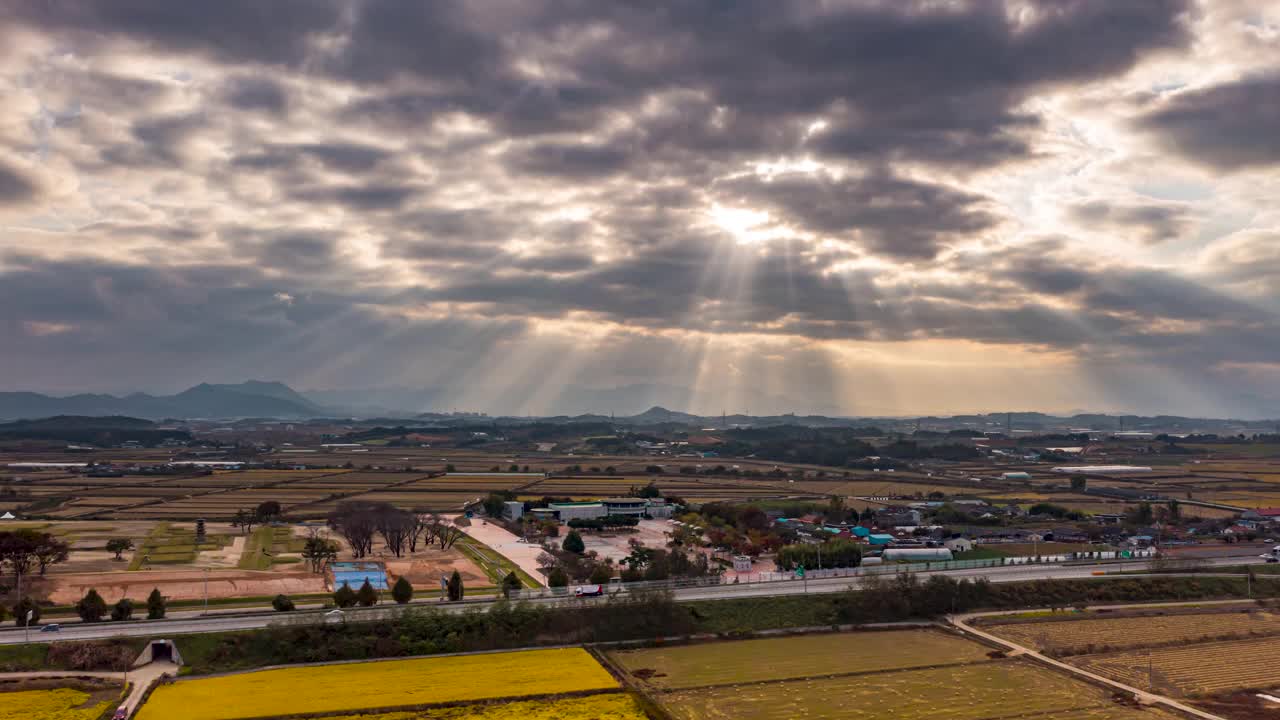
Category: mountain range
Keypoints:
(248, 399)
(259, 399)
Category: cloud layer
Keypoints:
(974, 205)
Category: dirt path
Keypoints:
(1143, 696)
(523, 554)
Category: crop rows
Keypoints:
(1196, 669)
(1069, 636)
(610, 706)
(958, 692)
(355, 687)
(793, 657)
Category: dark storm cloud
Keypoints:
(1225, 127)
(889, 215)
(1150, 222)
(15, 187)
(255, 92)
(277, 32)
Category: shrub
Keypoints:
(282, 603)
(557, 578)
(24, 606)
(155, 605)
(573, 543)
(454, 587)
(511, 583)
(115, 654)
(367, 596)
(123, 610)
(91, 607)
(344, 597)
(402, 591)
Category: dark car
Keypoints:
(51, 627)
(121, 714)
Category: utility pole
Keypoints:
(206, 591)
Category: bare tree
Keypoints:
(395, 526)
(421, 525)
(357, 522)
(448, 535)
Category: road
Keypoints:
(187, 624)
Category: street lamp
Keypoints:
(206, 591)
(27, 624)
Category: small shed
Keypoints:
(958, 544)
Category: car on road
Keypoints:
(121, 714)
(51, 627)
(588, 591)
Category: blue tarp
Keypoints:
(355, 574)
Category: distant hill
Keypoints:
(248, 399)
(103, 431)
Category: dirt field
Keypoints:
(183, 584)
(425, 568)
(616, 545)
(898, 675)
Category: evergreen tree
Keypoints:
(601, 574)
(123, 610)
(91, 607)
(24, 606)
(455, 586)
(402, 591)
(557, 578)
(573, 543)
(511, 583)
(367, 596)
(155, 605)
(345, 597)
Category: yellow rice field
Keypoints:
(1117, 633)
(611, 706)
(387, 684)
(58, 704)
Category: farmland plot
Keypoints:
(794, 657)
(961, 692)
(389, 684)
(1196, 669)
(611, 706)
(1074, 636)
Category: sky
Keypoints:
(849, 207)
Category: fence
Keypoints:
(861, 571)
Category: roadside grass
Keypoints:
(494, 564)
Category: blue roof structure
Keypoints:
(861, 531)
(880, 539)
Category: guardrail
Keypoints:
(823, 574)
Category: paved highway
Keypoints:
(188, 624)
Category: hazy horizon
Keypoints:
(859, 207)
